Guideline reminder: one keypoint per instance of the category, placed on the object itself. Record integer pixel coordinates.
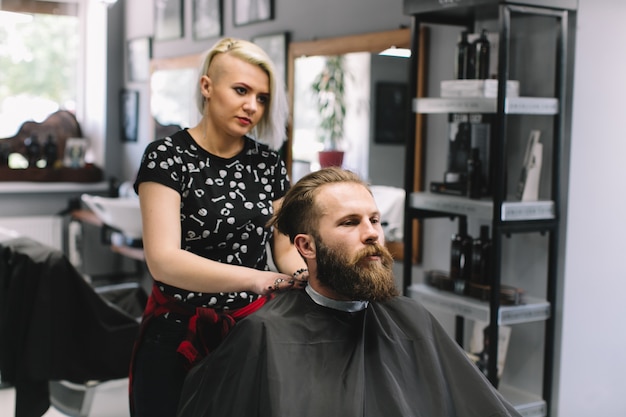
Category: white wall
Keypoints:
(592, 357)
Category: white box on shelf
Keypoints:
(477, 88)
(527, 210)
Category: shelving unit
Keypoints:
(500, 211)
(533, 309)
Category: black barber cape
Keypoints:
(54, 326)
(295, 357)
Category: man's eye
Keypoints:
(375, 220)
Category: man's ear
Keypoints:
(305, 245)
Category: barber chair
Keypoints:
(59, 336)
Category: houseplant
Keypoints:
(329, 89)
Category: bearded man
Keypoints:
(348, 345)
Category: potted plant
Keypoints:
(329, 88)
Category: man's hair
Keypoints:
(271, 128)
(299, 213)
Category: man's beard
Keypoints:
(357, 278)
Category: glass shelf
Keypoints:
(482, 209)
(527, 404)
(512, 105)
(534, 309)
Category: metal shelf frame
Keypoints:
(465, 16)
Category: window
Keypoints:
(39, 60)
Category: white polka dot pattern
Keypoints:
(225, 204)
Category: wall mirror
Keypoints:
(365, 72)
(364, 69)
(172, 93)
(378, 160)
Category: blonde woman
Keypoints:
(206, 196)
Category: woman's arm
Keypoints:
(168, 263)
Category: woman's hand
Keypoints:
(275, 281)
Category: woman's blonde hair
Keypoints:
(271, 129)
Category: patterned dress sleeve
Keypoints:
(160, 164)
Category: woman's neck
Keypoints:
(215, 144)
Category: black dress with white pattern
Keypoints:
(225, 205)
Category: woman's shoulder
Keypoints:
(180, 139)
(262, 151)
(256, 147)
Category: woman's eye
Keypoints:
(263, 99)
(240, 90)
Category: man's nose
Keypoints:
(371, 232)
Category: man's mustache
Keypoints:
(374, 249)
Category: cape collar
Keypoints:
(347, 306)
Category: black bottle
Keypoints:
(481, 56)
(459, 148)
(33, 150)
(474, 175)
(50, 151)
(460, 258)
(462, 57)
(5, 150)
(481, 258)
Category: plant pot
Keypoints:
(331, 158)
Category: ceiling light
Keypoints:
(397, 52)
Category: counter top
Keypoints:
(18, 187)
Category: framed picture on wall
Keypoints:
(168, 19)
(139, 54)
(207, 19)
(276, 47)
(252, 11)
(392, 99)
(129, 115)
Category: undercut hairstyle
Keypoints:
(271, 128)
(299, 213)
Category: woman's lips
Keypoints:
(244, 121)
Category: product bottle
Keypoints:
(33, 150)
(462, 57)
(481, 58)
(50, 151)
(459, 146)
(5, 151)
(474, 175)
(481, 258)
(460, 257)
